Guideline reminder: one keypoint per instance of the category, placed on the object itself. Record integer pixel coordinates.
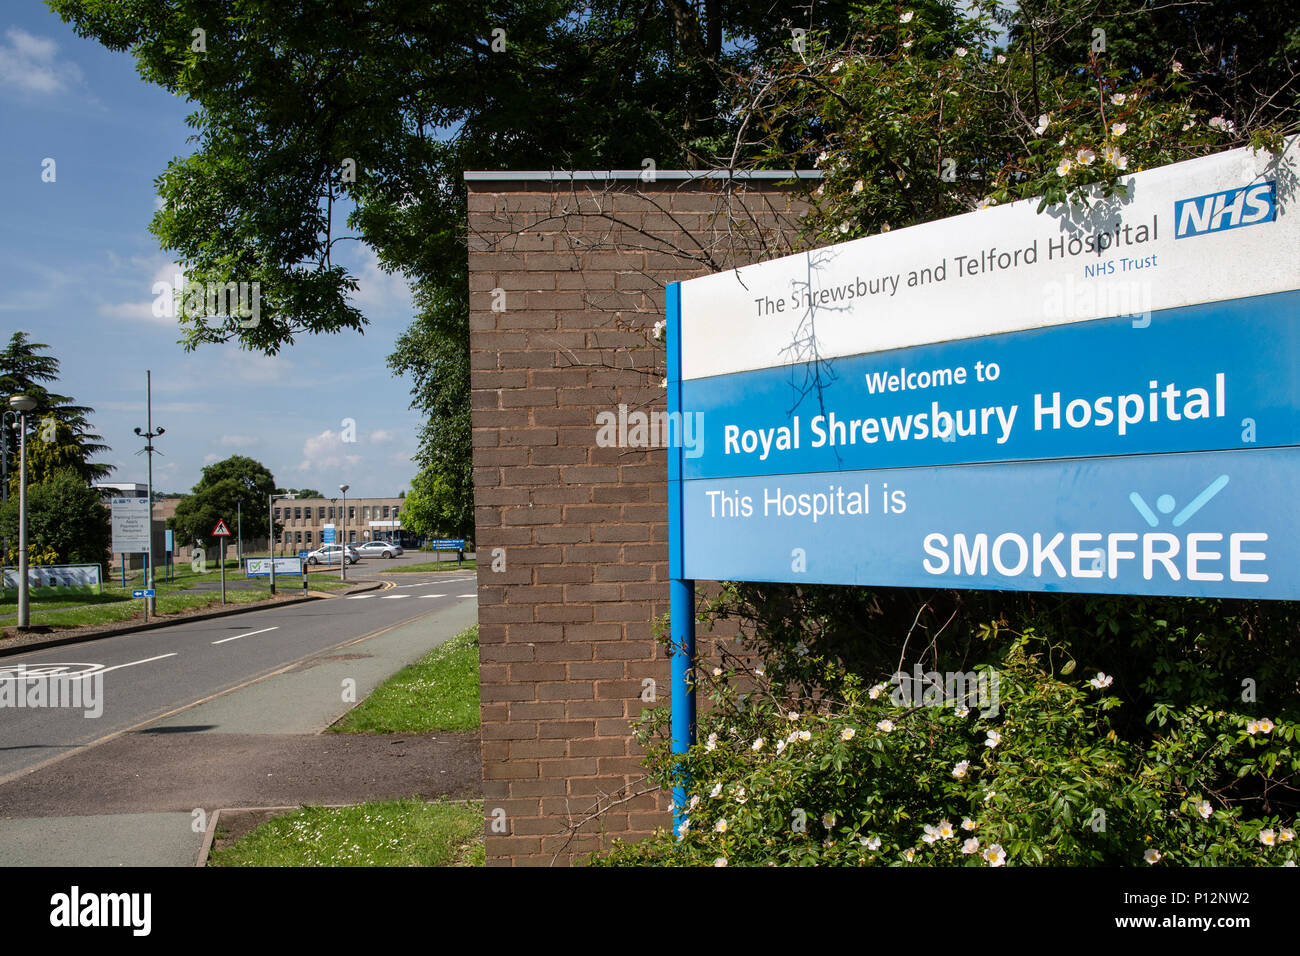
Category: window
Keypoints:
(276, 514)
(395, 510)
(352, 536)
(297, 537)
(288, 537)
(297, 512)
(331, 512)
(352, 512)
(309, 537)
(385, 511)
(320, 512)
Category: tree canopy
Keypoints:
(223, 487)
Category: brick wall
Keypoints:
(567, 279)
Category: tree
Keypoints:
(223, 487)
(67, 522)
(59, 434)
(358, 122)
(299, 492)
(432, 508)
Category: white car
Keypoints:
(378, 549)
(333, 554)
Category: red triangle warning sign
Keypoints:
(221, 531)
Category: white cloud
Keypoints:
(382, 436)
(209, 459)
(159, 310)
(377, 290)
(30, 64)
(327, 452)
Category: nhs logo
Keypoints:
(1226, 210)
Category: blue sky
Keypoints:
(78, 265)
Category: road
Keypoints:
(151, 674)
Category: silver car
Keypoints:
(333, 554)
(379, 549)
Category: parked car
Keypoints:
(333, 554)
(379, 549)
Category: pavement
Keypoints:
(139, 791)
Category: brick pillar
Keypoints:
(566, 280)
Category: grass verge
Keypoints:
(407, 832)
(466, 565)
(438, 692)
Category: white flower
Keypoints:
(907, 44)
(960, 769)
(740, 795)
(844, 227)
(1118, 98)
(793, 715)
(1189, 124)
(945, 830)
(1261, 726)
(993, 739)
(794, 735)
(960, 51)
(1043, 122)
(821, 158)
(757, 745)
(780, 747)
(970, 845)
(1001, 58)
(1285, 835)
(989, 795)
(871, 843)
(717, 789)
(801, 649)
(909, 854)
(1063, 167)
(721, 826)
(686, 825)
(711, 743)
(1226, 125)
(995, 855)
(930, 835)
(858, 187)
(663, 382)
(1085, 156)
(876, 691)
(885, 726)
(1178, 67)
(805, 735)
(1268, 837)
(828, 820)
(1152, 855)
(661, 329)
(1118, 129)
(717, 672)
(1121, 162)
(1101, 680)
(906, 17)
(720, 861)
(968, 824)
(760, 672)
(1289, 863)
(695, 801)
(848, 733)
(1204, 809)
(961, 711)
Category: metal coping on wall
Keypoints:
(605, 175)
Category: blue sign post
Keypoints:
(1101, 403)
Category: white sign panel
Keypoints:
(130, 525)
(1176, 237)
(56, 576)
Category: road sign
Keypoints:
(142, 593)
(302, 553)
(327, 534)
(169, 540)
(447, 544)
(1004, 399)
(261, 567)
(130, 518)
(221, 531)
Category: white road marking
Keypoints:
(360, 597)
(393, 597)
(467, 595)
(424, 596)
(90, 673)
(249, 634)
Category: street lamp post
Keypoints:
(344, 489)
(149, 435)
(7, 420)
(22, 404)
(270, 536)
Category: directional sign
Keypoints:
(169, 540)
(221, 531)
(142, 593)
(327, 534)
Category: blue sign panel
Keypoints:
(327, 534)
(1210, 524)
(1206, 377)
(447, 544)
(142, 593)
